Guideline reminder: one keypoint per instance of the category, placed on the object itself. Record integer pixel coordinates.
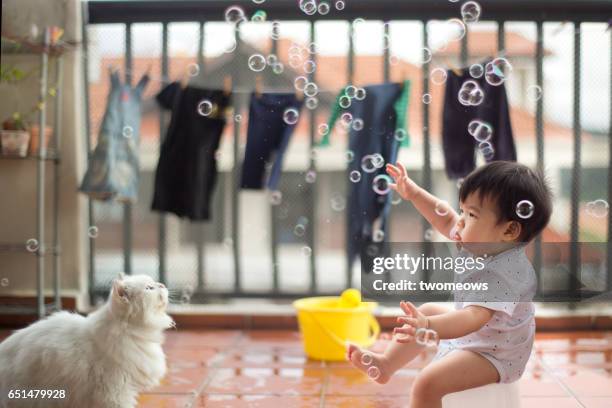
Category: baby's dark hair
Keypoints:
(507, 184)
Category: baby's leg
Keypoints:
(460, 370)
(395, 356)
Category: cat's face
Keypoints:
(141, 300)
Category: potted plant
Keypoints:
(15, 136)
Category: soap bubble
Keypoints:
(378, 235)
(426, 337)
(311, 89)
(487, 151)
(426, 55)
(481, 131)
(534, 92)
(311, 176)
(308, 6)
(598, 208)
(428, 235)
(350, 156)
(258, 1)
(393, 60)
(306, 251)
(459, 182)
(235, 15)
(358, 124)
(92, 231)
(32, 245)
(257, 62)
(238, 118)
(350, 91)
(271, 59)
(355, 176)
(470, 93)
(291, 116)
(381, 184)
(456, 28)
(339, 5)
(360, 94)
(259, 16)
(295, 61)
(476, 97)
(193, 69)
(276, 197)
(438, 76)
(426, 98)
(344, 101)
(379, 160)
(373, 372)
(299, 230)
(470, 11)
(323, 129)
(525, 209)
(205, 107)
(366, 359)
(323, 8)
(442, 208)
(278, 68)
(476, 70)
(497, 71)
(4, 282)
(312, 103)
(338, 202)
(399, 134)
(346, 119)
(275, 35)
(300, 83)
(127, 132)
(368, 164)
(310, 67)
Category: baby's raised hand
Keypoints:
(417, 320)
(403, 184)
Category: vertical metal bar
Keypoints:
(40, 179)
(463, 58)
(312, 197)
(537, 262)
(57, 131)
(90, 211)
(273, 207)
(609, 241)
(127, 207)
(501, 37)
(574, 237)
(387, 52)
(350, 75)
(162, 221)
(236, 176)
(200, 225)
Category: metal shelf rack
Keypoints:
(47, 49)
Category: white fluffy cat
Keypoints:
(101, 361)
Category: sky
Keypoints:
(406, 43)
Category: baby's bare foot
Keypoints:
(374, 365)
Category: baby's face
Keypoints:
(478, 222)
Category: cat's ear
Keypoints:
(120, 291)
(120, 275)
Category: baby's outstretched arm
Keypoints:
(439, 214)
(450, 325)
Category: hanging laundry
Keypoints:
(459, 145)
(382, 110)
(113, 171)
(272, 119)
(187, 169)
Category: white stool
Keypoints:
(487, 396)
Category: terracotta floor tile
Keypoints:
(182, 380)
(596, 402)
(164, 401)
(271, 338)
(191, 356)
(201, 338)
(545, 402)
(366, 402)
(539, 383)
(255, 401)
(349, 381)
(273, 357)
(282, 381)
(585, 382)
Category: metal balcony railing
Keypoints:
(129, 12)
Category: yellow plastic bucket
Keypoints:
(326, 328)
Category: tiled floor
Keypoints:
(230, 368)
